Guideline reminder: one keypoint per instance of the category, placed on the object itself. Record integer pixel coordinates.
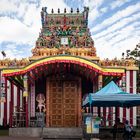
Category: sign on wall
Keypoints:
(64, 41)
(92, 125)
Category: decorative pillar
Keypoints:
(8, 100)
(134, 92)
(11, 104)
(18, 98)
(131, 91)
(5, 103)
(32, 98)
(131, 88)
(47, 103)
(100, 84)
(21, 99)
(127, 111)
(25, 94)
(123, 86)
(15, 100)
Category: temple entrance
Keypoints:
(63, 102)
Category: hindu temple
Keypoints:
(63, 69)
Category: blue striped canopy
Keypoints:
(112, 95)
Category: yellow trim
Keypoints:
(65, 58)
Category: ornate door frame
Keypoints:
(48, 101)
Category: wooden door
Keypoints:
(70, 103)
(63, 104)
(56, 104)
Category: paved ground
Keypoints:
(17, 138)
(24, 138)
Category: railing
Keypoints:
(19, 120)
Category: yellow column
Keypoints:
(25, 84)
(100, 84)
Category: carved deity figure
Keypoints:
(41, 102)
(86, 10)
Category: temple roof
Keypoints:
(64, 59)
(66, 34)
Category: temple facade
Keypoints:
(62, 70)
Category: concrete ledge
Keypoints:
(62, 133)
(47, 133)
(25, 132)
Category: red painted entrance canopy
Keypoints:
(64, 59)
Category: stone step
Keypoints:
(63, 139)
(62, 133)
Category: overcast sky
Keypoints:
(114, 24)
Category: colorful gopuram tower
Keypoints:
(62, 70)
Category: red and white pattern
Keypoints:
(8, 99)
(129, 113)
(123, 113)
(13, 101)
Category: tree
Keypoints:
(135, 54)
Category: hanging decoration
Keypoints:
(25, 82)
(33, 99)
(3, 95)
(3, 99)
(67, 59)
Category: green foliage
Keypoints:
(135, 54)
